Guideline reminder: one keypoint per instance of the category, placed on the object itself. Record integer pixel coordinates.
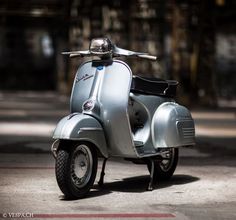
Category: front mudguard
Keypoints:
(172, 126)
(80, 127)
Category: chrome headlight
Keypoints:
(100, 46)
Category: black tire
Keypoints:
(164, 170)
(76, 168)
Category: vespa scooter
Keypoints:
(117, 114)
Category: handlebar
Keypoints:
(149, 57)
(77, 54)
(103, 47)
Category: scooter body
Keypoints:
(121, 115)
(165, 124)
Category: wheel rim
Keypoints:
(167, 160)
(81, 166)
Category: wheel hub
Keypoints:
(81, 166)
(167, 160)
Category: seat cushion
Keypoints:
(153, 86)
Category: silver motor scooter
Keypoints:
(117, 114)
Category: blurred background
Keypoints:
(195, 42)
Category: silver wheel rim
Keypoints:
(81, 166)
(168, 160)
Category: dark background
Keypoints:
(195, 42)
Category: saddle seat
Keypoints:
(153, 86)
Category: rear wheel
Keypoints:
(164, 169)
(76, 168)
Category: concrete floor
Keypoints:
(203, 186)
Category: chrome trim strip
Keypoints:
(90, 129)
(54, 148)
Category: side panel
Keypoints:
(172, 126)
(143, 108)
(82, 127)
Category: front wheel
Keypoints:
(76, 168)
(164, 169)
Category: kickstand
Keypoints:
(101, 180)
(150, 185)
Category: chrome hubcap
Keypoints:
(168, 159)
(81, 166)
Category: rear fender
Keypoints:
(172, 126)
(82, 127)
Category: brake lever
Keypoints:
(72, 55)
(77, 53)
(128, 53)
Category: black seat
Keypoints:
(153, 86)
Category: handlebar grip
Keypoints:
(72, 55)
(149, 57)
